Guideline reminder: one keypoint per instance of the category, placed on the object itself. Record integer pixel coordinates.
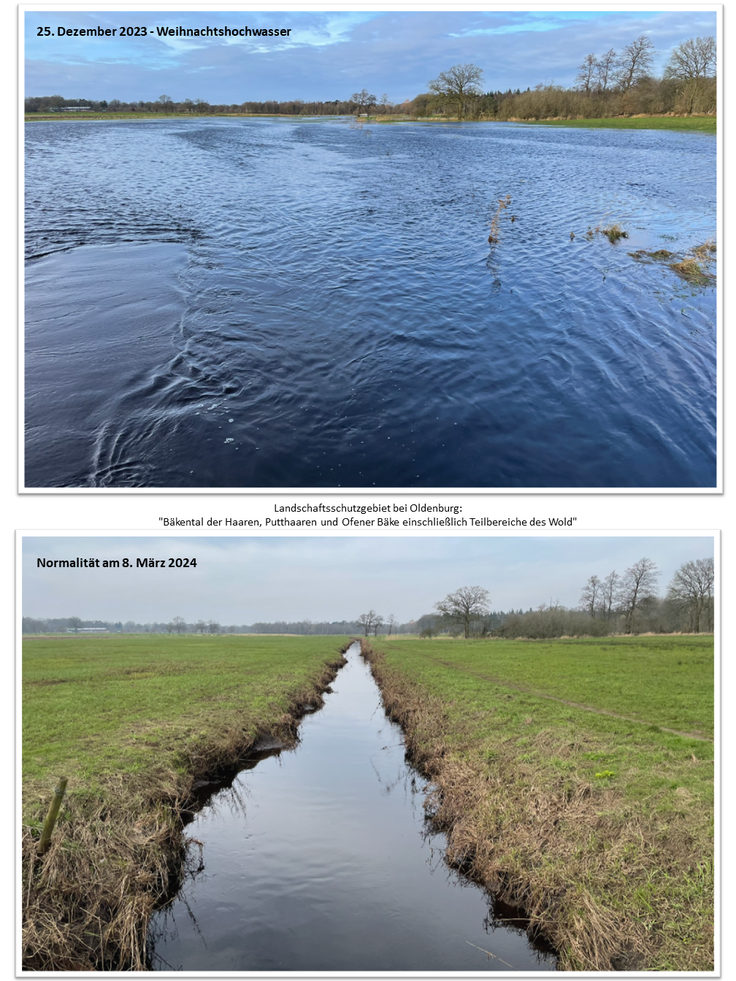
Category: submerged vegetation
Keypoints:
(574, 778)
(137, 723)
(612, 232)
(503, 203)
(693, 267)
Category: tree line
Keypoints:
(609, 83)
(617, 603)
(356, 104)
(178, 625)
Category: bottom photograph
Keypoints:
(374, 755)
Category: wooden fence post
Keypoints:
(48, 824)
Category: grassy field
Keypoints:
(575, 777)
(688, 124)
(133, 721)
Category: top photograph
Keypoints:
(360, 250)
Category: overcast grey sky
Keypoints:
(243, 580)
(329, 55)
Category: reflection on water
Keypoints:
(262, 303)
(321, 860)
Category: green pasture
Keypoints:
(539, 723)
(627, 694)
(96, 707)
(688, 124)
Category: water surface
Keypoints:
(320, 860)
(323, 308)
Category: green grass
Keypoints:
(689, 124)
(133, 722)
(576, 780)
(94, 707)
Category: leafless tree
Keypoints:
(692, 59)
(458, 89)
(691, 591)
(465, 605)
(635, 62)
(609, 590)
(637, 583)
(606, 69)
(370, 621)
(363, 98)
(587, 74)
(179, 624)
(591, 595)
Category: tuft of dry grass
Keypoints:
(612, 232)
(693, 271)
(705, 251)
(693, 267)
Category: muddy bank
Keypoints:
(560, 852)
(120, 850)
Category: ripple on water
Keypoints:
(332, 290)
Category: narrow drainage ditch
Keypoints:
(321, 859)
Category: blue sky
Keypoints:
(243, 580)
(330, 55)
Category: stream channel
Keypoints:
(321, 859)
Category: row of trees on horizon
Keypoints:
(610, 83)
(619, 603)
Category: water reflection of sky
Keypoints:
(326, 867)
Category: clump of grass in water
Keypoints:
(692, 272)
(692, 268)
(503, 203)
(612, 232)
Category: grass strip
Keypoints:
(599, 827)
(687, 124)
(135, 722)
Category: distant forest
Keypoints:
(608, 84)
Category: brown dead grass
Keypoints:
(88, 901)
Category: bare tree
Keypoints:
(458, 89)
(213, 626)
(609, 590)
(637, 584)
(587, 74)
(391, 623)
(363, 98)
(691, 591)
(179, 624)
(635, 63)
(606, 69)
(591, 595)
(692, 67)
(369, 621)
(695, 58)
(465, 605)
